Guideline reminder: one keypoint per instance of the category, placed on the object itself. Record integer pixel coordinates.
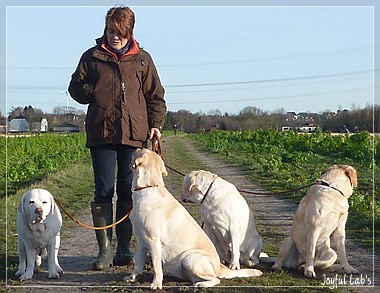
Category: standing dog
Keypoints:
(321, 213)
(227, 218)
(39, 223)
(164, 228)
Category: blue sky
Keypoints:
(297, 58)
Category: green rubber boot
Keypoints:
(124, 255)
(102, 215)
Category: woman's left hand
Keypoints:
(154, 132)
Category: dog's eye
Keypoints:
(44, 202)
(31, 202)
(134, 166)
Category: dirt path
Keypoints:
(78, 245)
(273, 216)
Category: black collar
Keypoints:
(208, 189)
(324, 183)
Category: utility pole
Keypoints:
(67, 102)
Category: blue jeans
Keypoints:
(104, 159)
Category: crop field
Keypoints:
(281, 161)
(276, 161)
(31, 158)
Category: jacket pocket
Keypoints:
(138, 121)
(97, 123)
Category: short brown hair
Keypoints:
(121, 20)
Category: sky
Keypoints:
(277, 57)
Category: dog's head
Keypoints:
(148, 169)
(342, 173)
(36, 205)
(195, 185)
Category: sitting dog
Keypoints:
(228, 220)
(164, 228)
(39, 223)
(321, 213)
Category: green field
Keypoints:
(280, 161)
(276, 161)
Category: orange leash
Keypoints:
(156, 146)
(88, 226)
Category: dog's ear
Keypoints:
(164, 172)
(52, 204)
(351, 173)
(188, 182)
(21, 207)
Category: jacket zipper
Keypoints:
(123, 91)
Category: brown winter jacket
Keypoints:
(125, 97)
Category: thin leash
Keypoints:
(89, 226)
(156, 147)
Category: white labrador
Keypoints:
(164, 228)
(321, 213)
(227, 218)
(39, 223)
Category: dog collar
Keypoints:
(145, 187)
(208, 189)
(324, 183)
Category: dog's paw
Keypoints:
(308, 271)
(130, 279)
(19, 273)
(26, 276)
(351, 270)
(155, 286)
(59, 269)
(234, 266)
(53, 275)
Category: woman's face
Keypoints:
(115, 40)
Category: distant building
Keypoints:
(40, 126)
(19, 124)
(208, 127)
(66, 128)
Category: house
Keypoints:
(208, 127)
(40, 126)
(19, 124)
(66, 128)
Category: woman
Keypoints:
(126, 107)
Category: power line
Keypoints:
(272, 80)
(269, 98)
(352, 73)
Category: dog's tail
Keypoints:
(265, 258)
(226, 273)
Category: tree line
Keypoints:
(252, 118)
(249, 118)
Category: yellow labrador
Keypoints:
(39, 223)
(321, 213)
(164, 228)
(227, 218)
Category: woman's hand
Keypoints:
(154, 132)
